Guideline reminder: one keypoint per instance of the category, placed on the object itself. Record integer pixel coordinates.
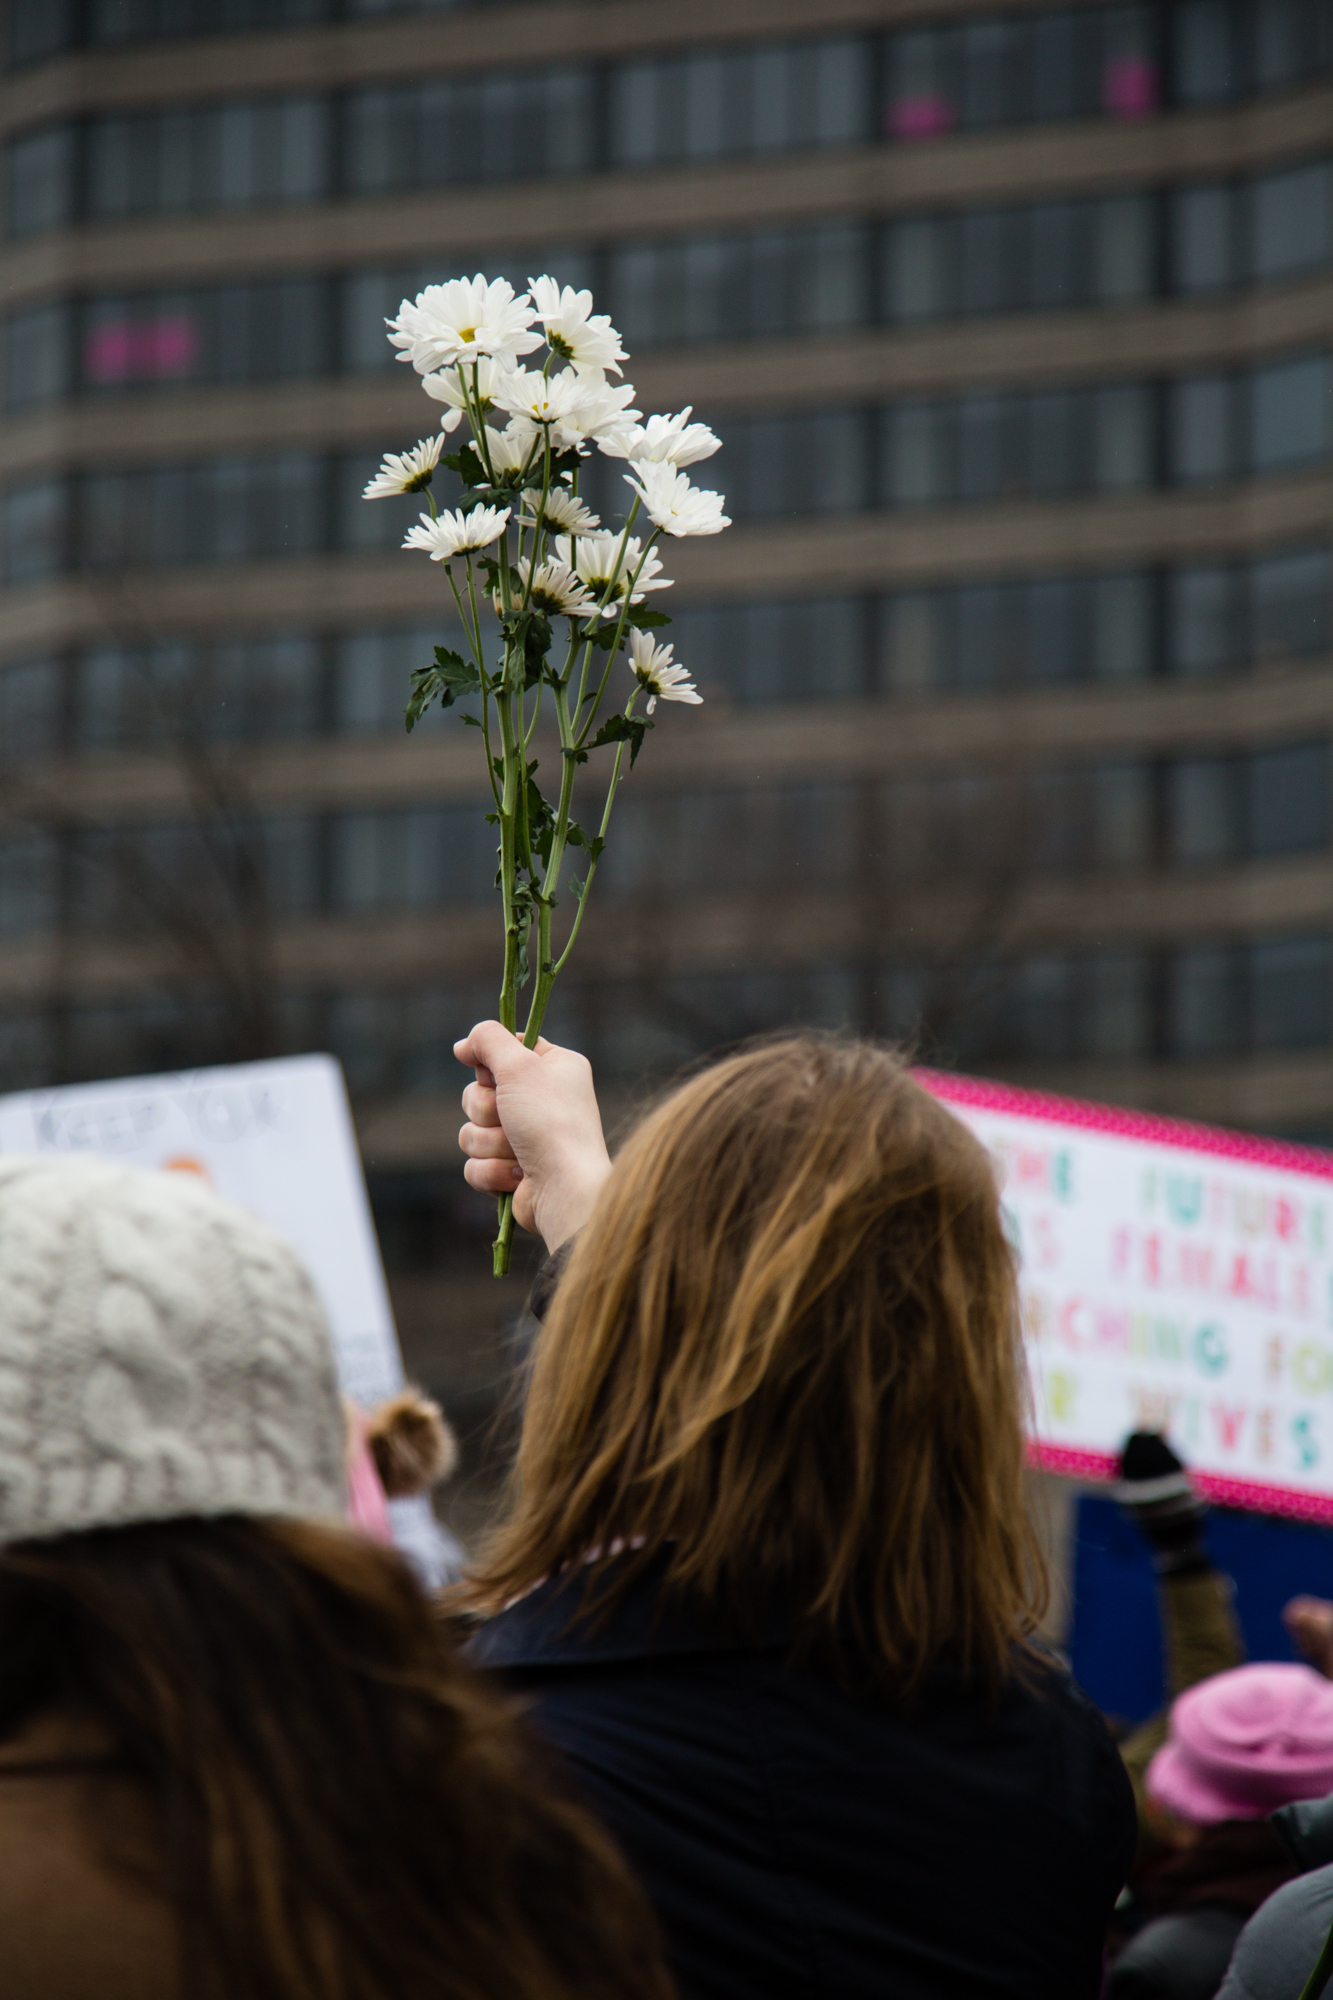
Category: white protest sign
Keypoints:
(1176, 1278)
(276, 1138)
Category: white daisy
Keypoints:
(456, 533)
(673, 504)
(555, 590)
(446, 387)
(653, 669)
(603, 407)
(562, 509)
(510, 449)
(537, 399)
(573, 330)
(594, 557)
(461, 321)
(405, 471)
(663, 441)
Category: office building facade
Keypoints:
(1016, 326)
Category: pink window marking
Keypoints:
(127, 350)
(1129, 87)
(921, 117)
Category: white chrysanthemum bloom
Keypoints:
(457, 533)
(536, 399)
(461, 321)
(653, 669)
(555, 590)
(594, 558)
(561, 509)
(603, 406)
(405, 471)
(673, 504)
(510, 449)
(573, 330)
(446, 387)
(663, 441)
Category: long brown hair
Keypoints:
(786, 1355)
(343, 1811)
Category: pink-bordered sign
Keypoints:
(1174, 1276)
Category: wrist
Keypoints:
(569, 1204)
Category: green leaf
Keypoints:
(623, 729)
(450, 677)
(646, 620)
(575, 756)
(473, 720)
(467, 465)
(541, 819)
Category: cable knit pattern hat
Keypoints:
(161, 1353)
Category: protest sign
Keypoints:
(1174, 1277)
(276, 1138)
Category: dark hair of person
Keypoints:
(785, 1360)
(341, 1809)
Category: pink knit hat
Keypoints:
(1244, 1743)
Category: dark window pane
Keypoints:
(1058, 249)
(1122, 615)
(1116, 1006)
(1125, 247)
(995, 72)
(35, 531)
(1205, 68)
(38, 355)
(1205, 1012)
(41, 169)
(1289, 605)
(918, 457)
(919, 269)
(28, 878)
(1203, 811)
(1131, 77)
(1291, 413)
(39, 29)
(31, 700)
(994, 264)
(1057, 646)
(992, 458)
(911, 650)
(1287, 799)
(1202, 239)
(978, 610)
(1123, 437)
(1289, 993)
(1202, 636)
(1292, 222)
(1200, 430)
(923, 91)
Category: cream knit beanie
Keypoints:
(161, 1353)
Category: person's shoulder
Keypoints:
(575, 1620)
(1277, 1949)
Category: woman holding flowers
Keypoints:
(766, 1575)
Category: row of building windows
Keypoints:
(743, 286)
(1230, 998)
(959, 451)
(1191, 621)
(758, 98)
(1134, 814)
(1113, 61)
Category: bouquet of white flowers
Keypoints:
(568, 594)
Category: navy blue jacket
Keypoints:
(799, 1841)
